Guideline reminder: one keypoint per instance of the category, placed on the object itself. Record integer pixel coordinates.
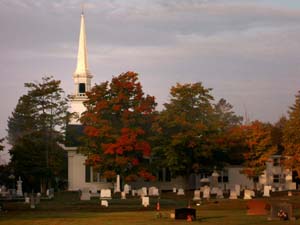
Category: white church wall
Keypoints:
(76, 174)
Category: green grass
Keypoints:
(66, 209)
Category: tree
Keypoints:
(291, 137)
(184, 129)
(117, 122)
(35, 127)
(260, 148)
(229, 140)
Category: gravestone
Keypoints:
(32, 202)
(233, 194)
(184, 213)
(19, 187)
(248, 194)
(118, 185)
(27, 200)
(174, 189)
(50, 193)
(127, 188)
(94, 192)
(145, 201)
(104, 203)
(38, 198)
(123, 195)
(281, 211)
(153, 191)
(196, 195)
(180, 191)
(257, 207)
(206, 192)
(133, 192)
(85, 195)
(105, 193)
(220, 194)
(144, 191)
(267, 190)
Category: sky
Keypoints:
(247, 51)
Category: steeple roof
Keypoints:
(82, 60)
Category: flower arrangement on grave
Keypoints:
(282, 215)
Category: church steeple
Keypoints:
(82, 76)
(82, 60)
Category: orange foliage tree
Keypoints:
(117, 123)
(260, 147)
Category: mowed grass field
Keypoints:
(67, 209)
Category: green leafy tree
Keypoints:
(229, 140)
(35, 127)
(184, 129)
(291, 137)
(117, 124)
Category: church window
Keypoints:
(87, 173)
(276, 178)
(82, 88)
(276, 162)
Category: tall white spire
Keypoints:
(81, 77)
(82, 58)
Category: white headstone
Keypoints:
(127, 188)
(267, 190)
(133, 192)
(248, 194)
(144, 191)
(118, 185)
(123, 195)
(233, 194)
(105, 194)
(27, 200)
(180, 191)
(206, 192)
(85, 194)
(19, 187)
(196, 195)
(174, 189)
(104, 203)
(145, 201)
(153, 191)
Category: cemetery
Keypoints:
(150, 206)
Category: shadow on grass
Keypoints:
(208, 218)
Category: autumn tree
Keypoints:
(260, 148)
(229, 140)
(34, 128)
(291, 137)
(184, 129)
(117, 123)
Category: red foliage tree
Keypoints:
(116, 124)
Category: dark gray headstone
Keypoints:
(183, 213)
(281, 211)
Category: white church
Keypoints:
(81, 176)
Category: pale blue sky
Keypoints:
(246, 50)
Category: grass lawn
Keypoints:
(66, 209)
